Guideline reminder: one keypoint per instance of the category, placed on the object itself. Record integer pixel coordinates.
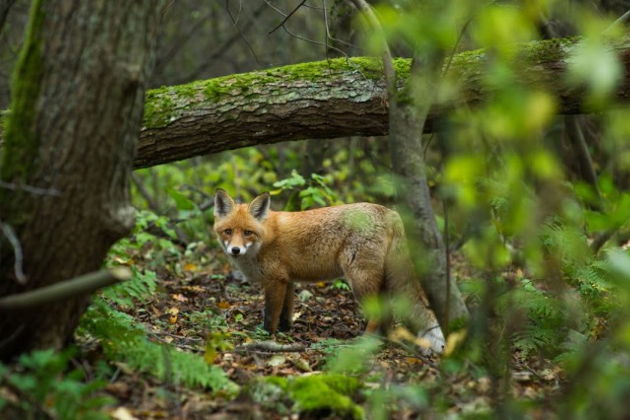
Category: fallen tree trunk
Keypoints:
(326, 99)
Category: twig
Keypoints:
(63, 290)
(576, 136)
(196, 190)
(276, 9)
(7, 340)
(182, 238)
(5, 6)
(40, 410)
(327, 26)
(447, 255)
(388, 62)
(312, 41)
(178, 46)
(241, 34)
(602, 238)
(270, 346)
(446, 68)
(218, 53)
(302, 38)
(287, 17)
(415, 353)
(623, 19)
(181, 337)
(9, 233)
(145, 193)
(29, 189)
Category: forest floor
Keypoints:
(202, 307)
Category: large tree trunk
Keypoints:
(77, 105)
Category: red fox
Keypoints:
(363, 242)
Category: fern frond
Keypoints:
(124, 339)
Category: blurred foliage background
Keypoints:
(537, 203)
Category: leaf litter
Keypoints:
(207, 309)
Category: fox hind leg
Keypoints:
(367, 282)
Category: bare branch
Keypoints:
(86, 283)
(287, 17)
(622, 20)
(9, 233)
(218, 53)
(312, 41)
(29, 188)
(5, 7)
(151, 203)
(241, 34)
(388, 62)
(270, 346)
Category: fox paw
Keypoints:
(434, 340)
(285, 325)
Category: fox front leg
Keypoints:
(286, 316)
(275, 293)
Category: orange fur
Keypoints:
(362, 242)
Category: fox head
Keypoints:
(239, 227)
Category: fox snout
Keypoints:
(236, 250)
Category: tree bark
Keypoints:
(78, 94)
(327, 99)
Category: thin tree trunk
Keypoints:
(408, 114)
(406, 124)
(77, 105)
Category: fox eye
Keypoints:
(228, 231)
(247, 232)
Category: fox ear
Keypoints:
(223, 203)
(259, 207)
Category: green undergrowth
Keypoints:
(123, 339)
(42, 385)
(318, 395)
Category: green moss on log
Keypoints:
(165, 104)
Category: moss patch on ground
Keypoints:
(321, 394)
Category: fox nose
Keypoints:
(236, 250)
